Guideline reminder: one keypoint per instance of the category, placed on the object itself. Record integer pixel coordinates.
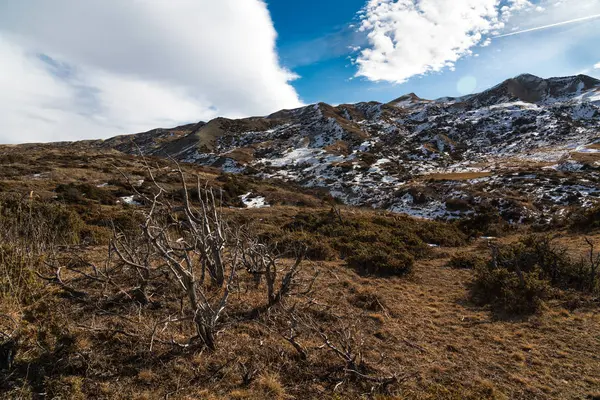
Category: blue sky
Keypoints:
(315, 45)
(76, 69)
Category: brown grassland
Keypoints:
(457, 176)
(382, 306)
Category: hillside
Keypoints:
(522, 147)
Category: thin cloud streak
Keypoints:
(539, 28)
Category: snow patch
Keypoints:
(130, 200)
(253, 202)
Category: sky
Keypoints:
(72, 69)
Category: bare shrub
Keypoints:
(203, 254)
(263, 260)
(189, 242)
(346, 341)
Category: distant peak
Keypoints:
(589, 79)
(406, 98)
(560, 79)
(528, 77)
(412, 96)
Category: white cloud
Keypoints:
(117, 66)
(408, 38)
(413, 37)
(597, 66)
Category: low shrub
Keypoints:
(125, 221)
(65, 387)
(82, 193)
(371, 259)
(553, 261)
(486, 220)
(233, 187)
(441, 234)
(276, 196)
(96, 235)
(368, 158)
(585, 220)
(317, 247)
(521, 275)
(368, 299)
(384, 244)
(458, 205)
(11, 158)
(18, 281)
(38, 224)
(506, 293)
(466, 261)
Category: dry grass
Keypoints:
(420, 328)
(593, 146)
(458, 176)
(243, 155)
(586, 158)
(338, 148)
(270, 386)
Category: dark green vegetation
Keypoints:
(380, 244)
(464, 260)
(520, 276)
(585, 220)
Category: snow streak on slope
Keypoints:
(383, 155)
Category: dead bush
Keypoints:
(203, 255)
(368, 299)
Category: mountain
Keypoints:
(431, 158)
(532, 89)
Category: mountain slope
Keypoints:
(380, 155)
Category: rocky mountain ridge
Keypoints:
(431, 158)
